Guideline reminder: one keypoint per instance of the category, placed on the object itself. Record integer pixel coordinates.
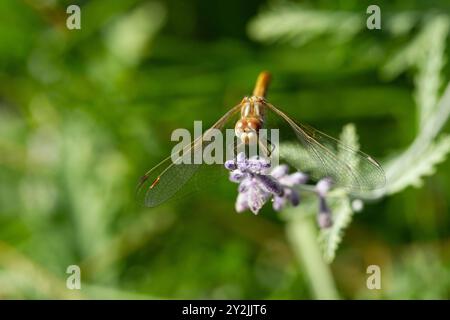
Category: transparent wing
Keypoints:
(323, 156)
(167, 178)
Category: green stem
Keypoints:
(302, 236)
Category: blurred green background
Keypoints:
(84, 113)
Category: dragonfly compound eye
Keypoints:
(247, 129)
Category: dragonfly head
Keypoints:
(251, 121)
(247, 129)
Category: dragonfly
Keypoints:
(311, 151)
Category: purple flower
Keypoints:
(324, 216)
(257, 184)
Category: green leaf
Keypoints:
(429, 78)
(423, 166)
(298, 25)
(330, 238)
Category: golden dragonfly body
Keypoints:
(253, 112)
(318, 154)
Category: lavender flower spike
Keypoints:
(257, 185)
(324, 218)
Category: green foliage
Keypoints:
(84, 113)
(423, 165)
(433, 109)
(297, 25)
(342, 211)
(425, 52)
(331, 238)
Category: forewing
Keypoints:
(323, 156)
(167, 178)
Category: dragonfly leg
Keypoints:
(265, 149)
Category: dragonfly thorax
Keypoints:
(252, 119)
